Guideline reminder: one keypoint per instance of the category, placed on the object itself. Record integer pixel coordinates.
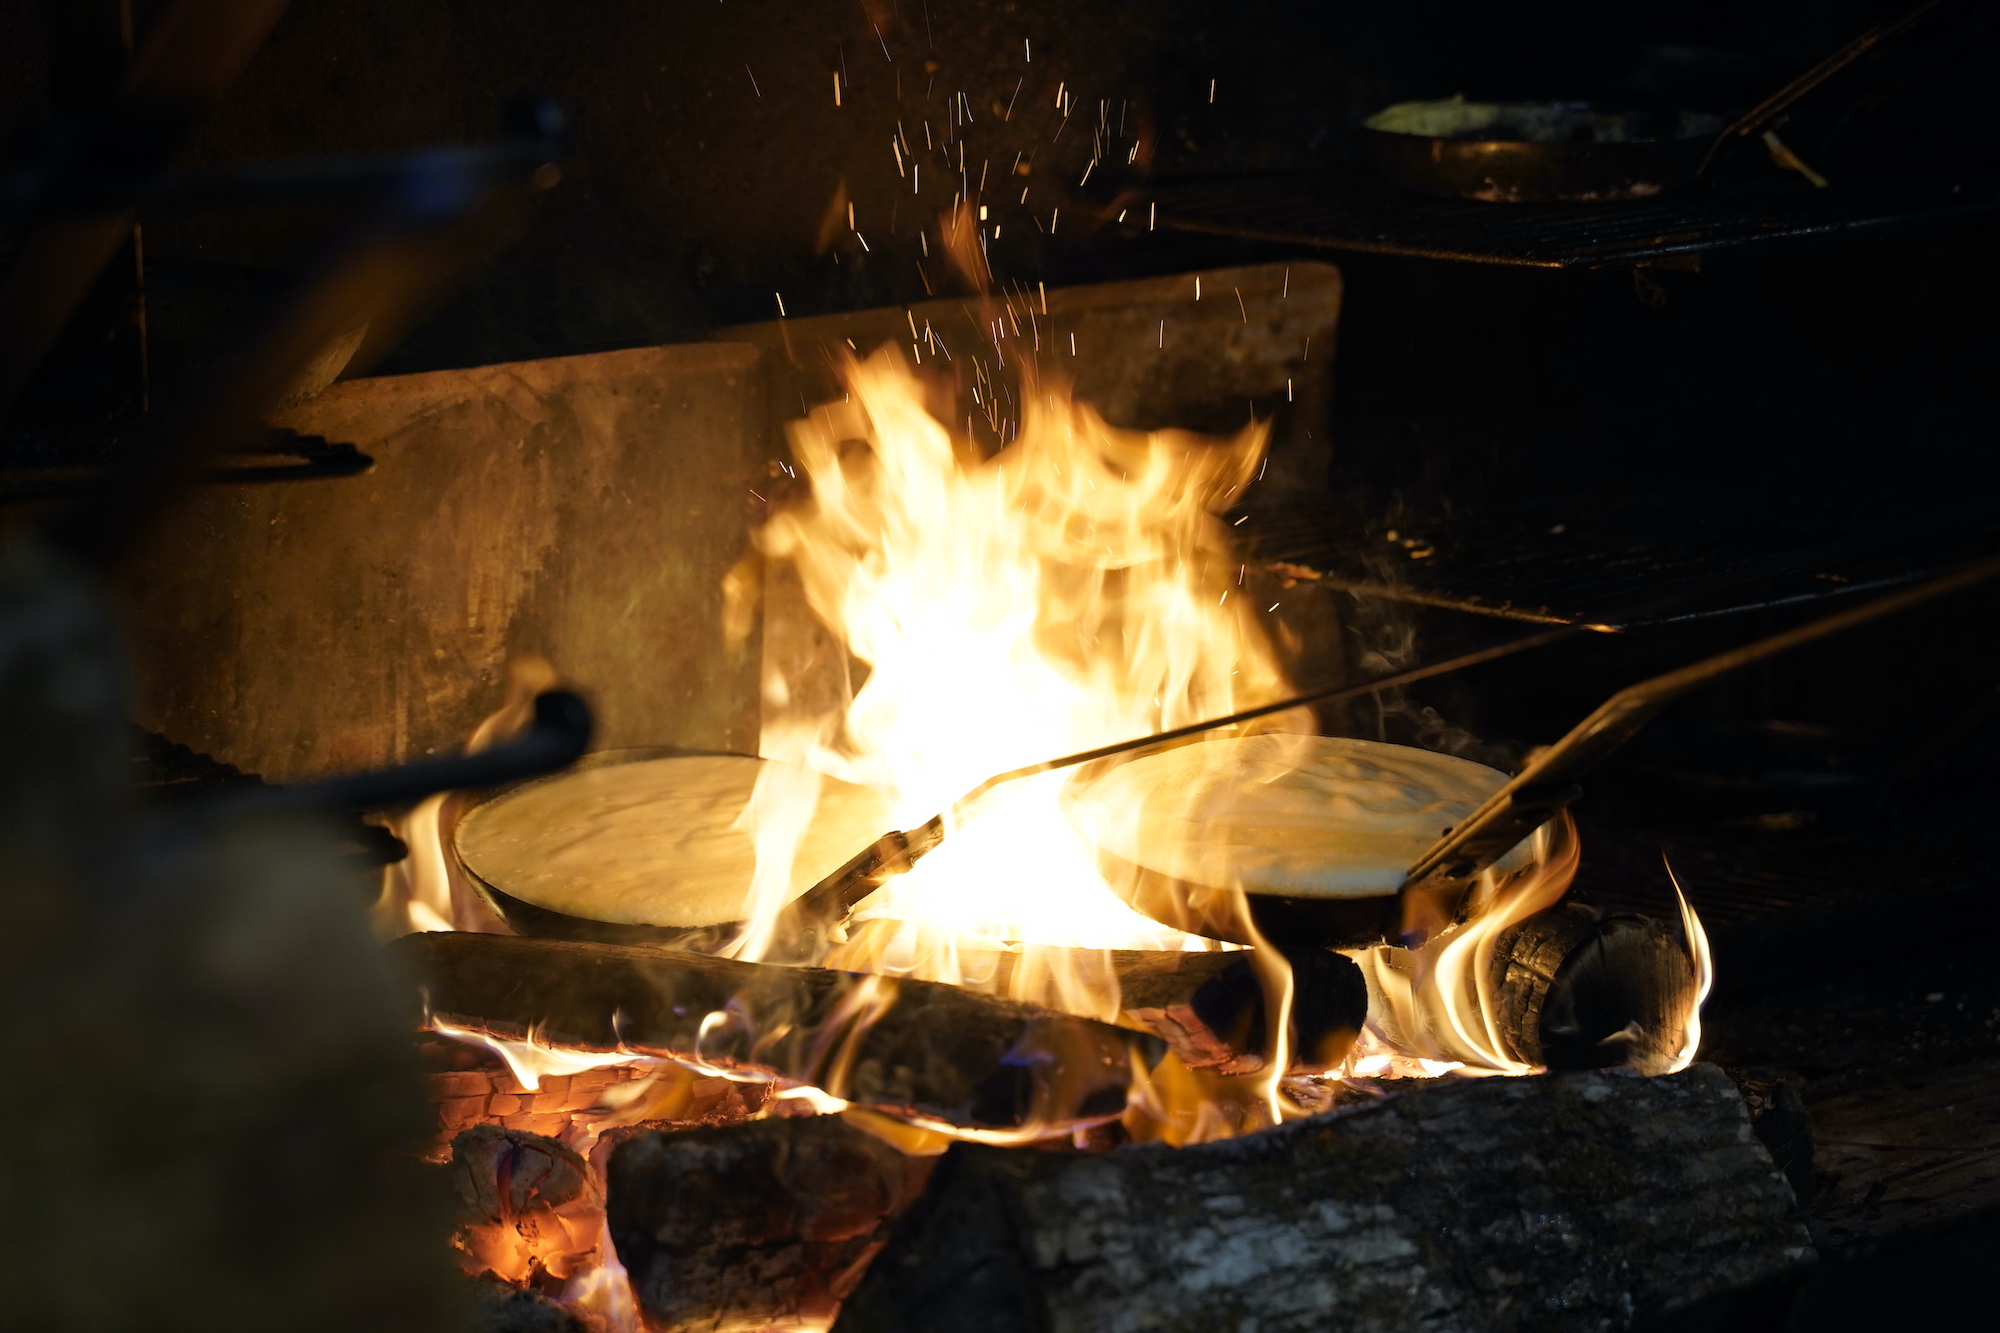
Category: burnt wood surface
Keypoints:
(749, 1225)
(908, 1047)
(1578, 990)
(1207, 1007)
(1574, 1201)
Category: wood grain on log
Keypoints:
(752, 1225)
(908, 1048)
(1574, 1201)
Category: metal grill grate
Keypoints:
(1350, 209)
(1588, 559)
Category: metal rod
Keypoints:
(1439, 878)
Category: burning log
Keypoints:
(529, 1209)
(1209, 1007)
(752, 1225)
(1571, 1201)
(910, 1048)
(1582, 991)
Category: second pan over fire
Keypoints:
(1314, 832)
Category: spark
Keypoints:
(1086, 174)
(753, 81)
(781, 304)
(894, 147)
(1027, 52)
(1163, 333)
(1122, 212)
(761, 498)
(863, 239)
(878, 37)
(1052, 221)
(1072, 344)
(1241, 521)
(1272, 607)
(1211, 92)
(1045, 296)
(1024, 194)
(1239, 304)
(928, 36)
(1010, 101)
(1152, 214)
(1288, 388)
(1225, 597)
(922, 239)
(1060, 85)
(982, 178)
(850, 215)
(1286, 293)
(916, 177)
(1197, 287)
(1308, 352)
(836, 102)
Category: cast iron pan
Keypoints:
(1318, 831)
(641, 839)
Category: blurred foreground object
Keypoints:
(252, 1166)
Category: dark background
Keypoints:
(711, 174)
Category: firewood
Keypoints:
(1583, 991)
(529, 1209)
(1572, 1201)
(751, 1225)
(1219, 1024)
(910, 1048)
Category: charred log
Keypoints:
(529, 1209)
(1576, 1201)
(909, 1047)
(1207, 1007)
(750, 1225)
(1577, 990)
(1220, 1023)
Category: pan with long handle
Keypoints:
(1438, 883)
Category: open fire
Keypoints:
(1073, 589)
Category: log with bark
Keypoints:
(1581, 990)
(909, 1048)
(748, 1226)
(1571, 1201)
(1571, 989)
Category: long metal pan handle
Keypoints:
(1437, 884)
(555, 739)
(1757, 117)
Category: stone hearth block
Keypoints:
(583, 508)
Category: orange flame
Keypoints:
(426, 890)
(1704, 974)
(1070, 590)
(1432, 1010)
